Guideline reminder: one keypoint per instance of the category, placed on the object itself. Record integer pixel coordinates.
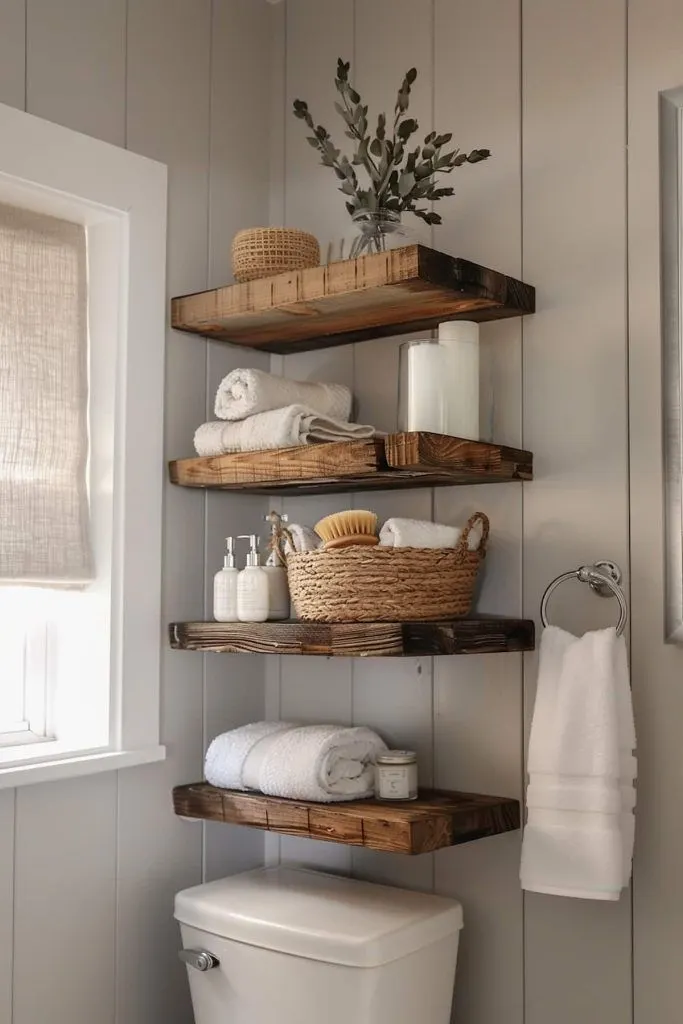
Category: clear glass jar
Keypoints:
(439, 386)
(396, 775)
(378, 230)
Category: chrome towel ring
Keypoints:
(603, 577)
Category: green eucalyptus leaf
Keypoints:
(312, 141)
(376, 147)
(406, 128)
(347, 188)
(353, 95)
(406, 183)
(411, 76)
(428, 152)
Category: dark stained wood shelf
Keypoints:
(437, 820)
(399, 461)
(480, 635)
(409, 289)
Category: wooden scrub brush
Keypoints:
(347, 529)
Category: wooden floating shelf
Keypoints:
(486, 635)
(436, 820)
(409, 289)
(414, 459)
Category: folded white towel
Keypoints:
(325, 763)
(303, 539)
(416, 533)
(578, 840)
(279, 428)
(227, 753)
(247, 392)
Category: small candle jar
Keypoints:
(396, 775)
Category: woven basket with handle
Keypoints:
(261, 252)
(377, 584)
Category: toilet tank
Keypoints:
(291, 946)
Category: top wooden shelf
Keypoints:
(400, 291)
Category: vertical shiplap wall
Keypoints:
(555, 90)
(89, 867)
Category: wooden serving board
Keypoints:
(438, 819)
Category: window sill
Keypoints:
(73, 767)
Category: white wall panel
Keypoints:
(65, 902)
(477, 701)
(168, 119)
(13, 53)
(77, 65)
(239, 183)
(575, 416)
(7, 811)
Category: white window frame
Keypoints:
(121, 198)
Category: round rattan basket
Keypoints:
(261, 252)
(378, 584)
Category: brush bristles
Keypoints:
(347, 524)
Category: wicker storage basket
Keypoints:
(377, 584)
(261, 252)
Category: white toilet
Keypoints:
(290, 946)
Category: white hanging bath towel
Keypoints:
(323, 763)
(416, 533)
(247, 392)
(578, 839)
(280, 428)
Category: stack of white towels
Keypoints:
(578, 839)
(322, 763)
(257, 411)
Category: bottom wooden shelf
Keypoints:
(438, 819)
(477, 635)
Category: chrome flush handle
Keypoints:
(200, 959)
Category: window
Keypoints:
(82, 297)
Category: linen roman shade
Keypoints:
(44, 515)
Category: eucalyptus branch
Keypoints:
(399, 178)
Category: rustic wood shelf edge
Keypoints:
(404, 290)
(476, 635)
(436, 820)
(403, 460)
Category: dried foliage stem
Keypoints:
(399, 178)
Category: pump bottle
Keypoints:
(252, 586)
(225, 586)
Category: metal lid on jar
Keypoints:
(396, 757)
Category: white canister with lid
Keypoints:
(396, 775)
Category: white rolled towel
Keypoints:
(227, 753)
(280, 428)
(322, 763)
(416, 533)
(246, 392)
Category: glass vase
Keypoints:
(378, 231)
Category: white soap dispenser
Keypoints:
(276, 570)
(252, 586)
(225, 586)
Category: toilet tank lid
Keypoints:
(318, 916)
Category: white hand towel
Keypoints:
(416, 533)
(325, 763)
(280, 428)
(247, 392)
(227, 753)
(578, 840)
